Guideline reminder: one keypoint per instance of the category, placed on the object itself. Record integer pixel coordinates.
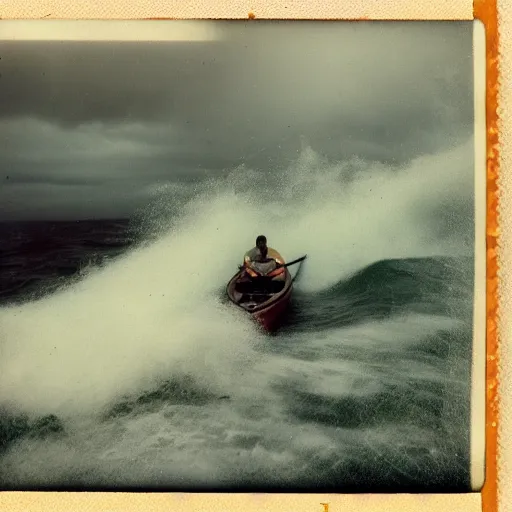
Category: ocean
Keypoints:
(124, 367)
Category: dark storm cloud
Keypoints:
(75, 82)
(105, 112)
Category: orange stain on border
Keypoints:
(486, 12)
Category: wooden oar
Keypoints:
(298, 260)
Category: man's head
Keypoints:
(261, 242)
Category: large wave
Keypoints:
(157, 311)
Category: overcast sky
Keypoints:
(86, 129)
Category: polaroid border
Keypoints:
(487, 12)
(487, 500)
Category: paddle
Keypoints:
(297, 274)
(298, 260)
(294, 262)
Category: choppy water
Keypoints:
(123, 366)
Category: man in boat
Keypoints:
(264, 260)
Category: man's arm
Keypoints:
(272, 253)
(248, 258)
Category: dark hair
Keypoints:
(261, 238)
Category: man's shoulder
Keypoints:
(251, 253)
(272, 253)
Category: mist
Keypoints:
(343, 215)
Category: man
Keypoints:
(264, 260)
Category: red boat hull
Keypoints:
(267, 312)
(271, 317)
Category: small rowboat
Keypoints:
(264, 298)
